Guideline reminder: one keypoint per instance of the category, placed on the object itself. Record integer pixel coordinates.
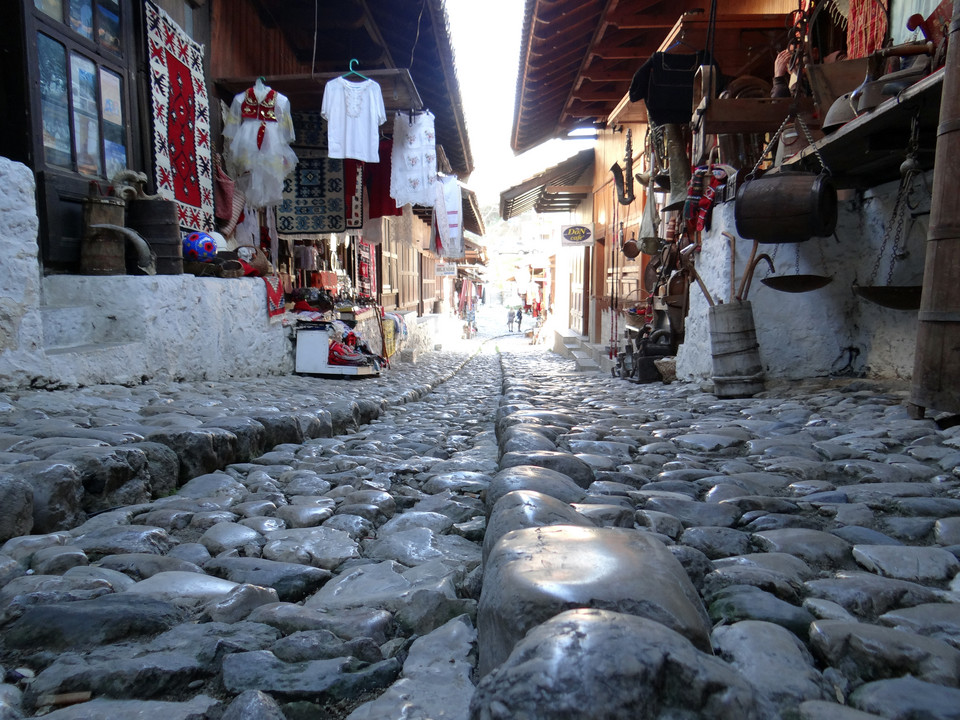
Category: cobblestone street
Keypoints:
(483, 534)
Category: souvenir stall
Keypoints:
(314, 194)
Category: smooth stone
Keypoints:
(301, 516)
(436, 681)
(912, 530)
(213, 485)
(419, 545)
(226, 536)
(253, 705)
(660, 522)
(534, 573)
(125, 539)
(946, 531)
(167, 518)
(524, 439)
(346, 623)
(16, 497)
(857, 535)
(335, 679)
(773, 659)
(22, 548)
(527, 508)
(605, 514)
(436, 522)
(57, 560)
(103, 620)
(815, 547)
(140, 566)
(322, 547)
(745, 602)
(191, 552)
(460, 481)
(323, 645)
(716, 542)
(907, 698)
(603, 664)
(706, 442)
(935, 620)
(694, 514)
(105, 709)
(422, 598)
(536, 479)
(598, 463)
(917, 564)
(182, 588)
(354, 526)
(291, 581)
(239, 603)
(618, 451)
(864, 652)
(567, 464)
(868, 596)
(826, 710)
(208, 518)
(384, 502)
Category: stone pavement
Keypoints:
(483, 534)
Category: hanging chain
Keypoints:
(909, 170)
(796, 260)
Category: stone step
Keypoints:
(87, 348)
(68, 326)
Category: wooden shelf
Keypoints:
(745, 115)
(868, 150)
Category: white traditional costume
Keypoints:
(259, 128)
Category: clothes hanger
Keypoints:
(354, 72)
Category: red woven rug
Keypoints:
(275, 304)
(181, 120)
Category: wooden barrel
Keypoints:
(101, 249)
(158, 224)
(786, 207)
(737, 371)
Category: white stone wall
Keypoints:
(69, 330)
(806, 334)
(20, 324)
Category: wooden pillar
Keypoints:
(936, 370)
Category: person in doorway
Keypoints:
(519, 318)
(510, 319)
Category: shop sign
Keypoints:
(579, 235)
(446, 269)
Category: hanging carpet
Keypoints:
(313, 197)
(353, 171)
(181, 121)
(275, 302)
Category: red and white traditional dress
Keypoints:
(259, 128)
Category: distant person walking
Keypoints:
(519, 318)
(510, 319)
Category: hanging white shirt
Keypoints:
(354, 113)
(447, 220)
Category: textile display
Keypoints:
(413, 172)
(867, 27)
(354, 112)
(366, 269)
(313, 198)
(259, 130)
(376, 181)
(353, 171)
(275, 304)
(181, 121)
(310, 129)
(446, 230)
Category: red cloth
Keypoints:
(275, 304)
(866, 29)
(376, 179)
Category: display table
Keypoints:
(313, 351)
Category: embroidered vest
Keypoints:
(265, 111)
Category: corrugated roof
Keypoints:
(535, 192)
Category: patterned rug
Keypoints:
(181, 120)
(353, 181)
(313, 197)
(275, 302)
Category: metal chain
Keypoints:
(796, 259)
(766, 150)
(810, 141)
(896, 220)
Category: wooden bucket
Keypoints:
(737, 371)
(786, 207)
(101, 249)
(158, 224)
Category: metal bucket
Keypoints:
(158, 224)
(786, 207)
(737, 371)
(101, 249)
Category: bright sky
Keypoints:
(486, 43)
